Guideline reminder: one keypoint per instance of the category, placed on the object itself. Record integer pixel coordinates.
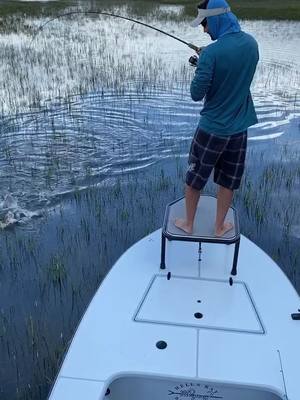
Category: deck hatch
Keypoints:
(223, 307)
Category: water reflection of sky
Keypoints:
(139, 110)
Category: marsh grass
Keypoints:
(249, 9)
(255, 9)
(57, 271)
(78, 54)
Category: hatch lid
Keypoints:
(202, 303)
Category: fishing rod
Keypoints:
(190, 45)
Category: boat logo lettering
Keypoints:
(194, 391)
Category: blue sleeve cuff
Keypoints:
(203, 77)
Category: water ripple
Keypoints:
(131, 121)
(69, 146)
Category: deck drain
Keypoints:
(161, 345)
(198, 315)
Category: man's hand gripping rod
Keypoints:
(193, 60)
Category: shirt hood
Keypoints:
(223, 24)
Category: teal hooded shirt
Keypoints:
(223, 76)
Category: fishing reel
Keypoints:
(193, 60)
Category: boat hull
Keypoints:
(142, 333)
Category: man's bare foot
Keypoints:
(183, 225)
(227, 226)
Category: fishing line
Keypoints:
(190, 45)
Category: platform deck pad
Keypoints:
(204, 224)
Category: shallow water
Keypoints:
(88, 130)
(134, 108)
(70, 147)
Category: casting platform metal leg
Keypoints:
(235, 258)
(163, 252)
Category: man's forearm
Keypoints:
(198, 90)
(203, 76)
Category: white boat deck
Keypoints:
(245, 335)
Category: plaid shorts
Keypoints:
(226, 155)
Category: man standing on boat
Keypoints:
(223, 76)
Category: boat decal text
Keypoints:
(194, 391)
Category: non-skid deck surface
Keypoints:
(204, 224)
